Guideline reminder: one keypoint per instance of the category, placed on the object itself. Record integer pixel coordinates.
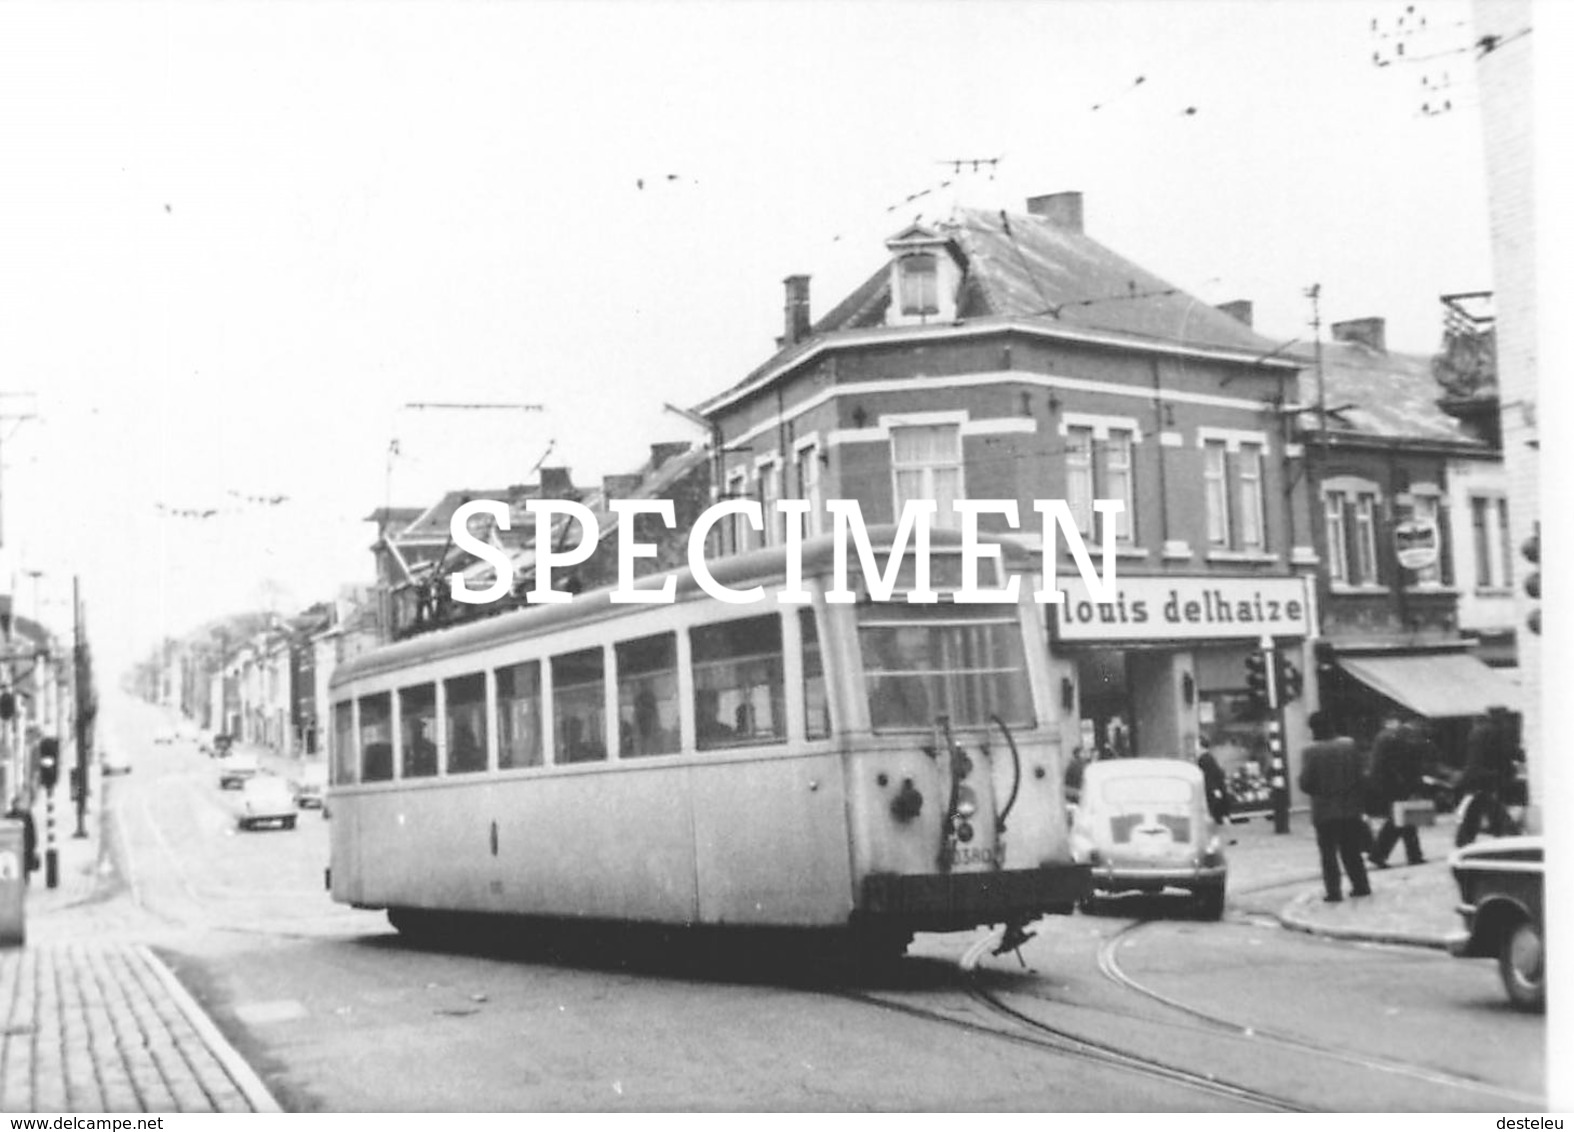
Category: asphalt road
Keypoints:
(1106, 1012)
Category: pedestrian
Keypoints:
(1490, 752)
(1333, 776)
(1073, 779)
(1213, 783)
(1398, 758)
(20, 812)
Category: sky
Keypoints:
(237, 240)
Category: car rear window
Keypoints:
(1131, 793)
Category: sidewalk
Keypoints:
(1410, 904)
(93, 1021)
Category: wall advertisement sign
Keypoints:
(1416, 543)
(1183, 609)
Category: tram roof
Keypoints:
(739, 571)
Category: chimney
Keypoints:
(1369, 332)
(796, 322)
(1238, 309)
(620, 487)
(661, 453)
(1064, 210)
(557, 484)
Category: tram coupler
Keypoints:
(1012, 939)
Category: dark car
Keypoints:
(1500, 891)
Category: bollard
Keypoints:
(13, 884)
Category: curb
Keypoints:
(245, 1078)
(1288, 917)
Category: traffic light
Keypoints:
(1257, 676)
(1532, 552)
(48, 762)
(1290, 681)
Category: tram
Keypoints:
(877, 768)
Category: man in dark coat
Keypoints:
(1333, 774)
(1399, 757)
(1490, 753)
(1213, 783)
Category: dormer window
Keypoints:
(925, 277)
(919, 279)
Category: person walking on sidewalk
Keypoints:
(1490, 753)
(1333, 775)
(1399, 756)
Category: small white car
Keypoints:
(114, 762)
(311, 788)
(266, 800)
(236, 769)
(1143, 825)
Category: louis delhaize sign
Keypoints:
(1182, 608)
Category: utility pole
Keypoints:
(81, 690)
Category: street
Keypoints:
(1108, 1011)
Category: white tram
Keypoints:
(882, 767)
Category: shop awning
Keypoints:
(1437, 687)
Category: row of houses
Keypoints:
(1011, 356)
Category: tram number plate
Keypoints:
(972, 854)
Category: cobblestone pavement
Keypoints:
(91, 1020)
(104, 1027)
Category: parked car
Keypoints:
(266, 800)
(163, 736)
(1143, 826)
(114, 762)
(311, 788)
(236, 768)
(1501, 884)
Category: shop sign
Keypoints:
(1416, 542)
(1177, 609)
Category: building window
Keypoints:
(1248, 468)
(1504, 542)
(1215, 476)
(770, 488)
(1490, 536)
(1351, 525)
(808, 473)
(1338, 543)
(1079, 477)
(377, 764)
(920, 284)
(927, 463)
(1365, 539)
(1099, 469)
(741, 529)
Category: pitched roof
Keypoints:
(1380, 394)
(1021, 268)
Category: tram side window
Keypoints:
(343, 743)
(466, 712)
(648, 696)
(579, 707)
(738, 684)
(377, 738)
(418, 730)
(519, 715)
(816, 704)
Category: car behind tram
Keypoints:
(876, 768)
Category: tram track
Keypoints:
(1109, 966)
(1026, 1030)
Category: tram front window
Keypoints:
(924, 661)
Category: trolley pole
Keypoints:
(1278, 780)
